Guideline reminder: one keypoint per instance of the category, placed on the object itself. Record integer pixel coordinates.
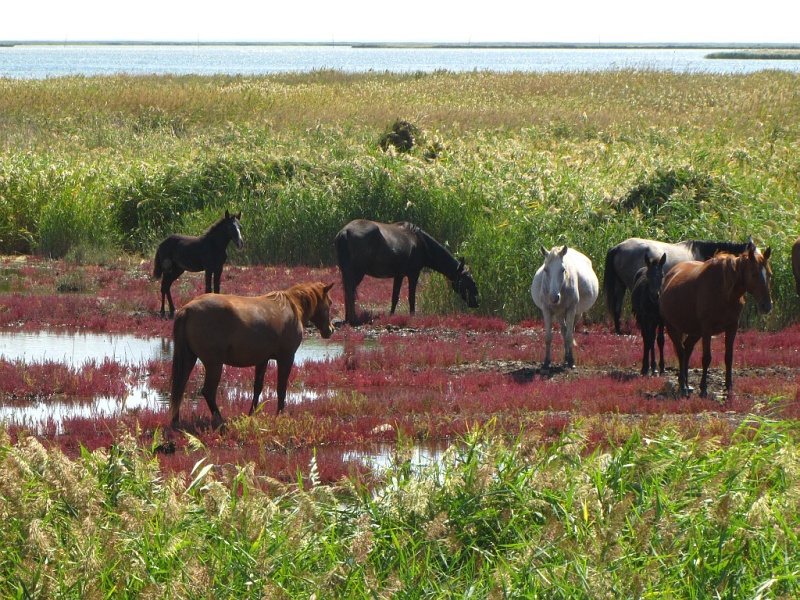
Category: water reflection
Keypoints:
(77, 349)
(380, 457)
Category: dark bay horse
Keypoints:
(179, 253)
(703, 299)
(395, 251)
(222, 329)
(645, 297)
(624, 260)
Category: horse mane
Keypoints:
(441, 258)
(730, 270)
(214, 226)
(705, 249)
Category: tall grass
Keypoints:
(661, 516)
(504, 163)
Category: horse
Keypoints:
(796, 264)
(624, 260)
(703, 299)
(240, 331)
(395, 250)
(208, 252)
(564, 287)
(645, 295)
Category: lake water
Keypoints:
(39, 62)
(77, 349)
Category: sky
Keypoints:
(454, 21)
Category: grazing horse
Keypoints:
(179, 253)
(221, 329)
(396, 250)
(564, 287)
(703, 299)
(644, 298)
(796, 264)
(624, 260)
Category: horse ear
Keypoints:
(227, 214)
(564, 249)
(461, 264)
(647, 260)
(767, 252)
(751, 250)
(239, 216)
(663, 260)
(544, 251)
(327, 288)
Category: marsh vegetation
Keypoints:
(590, 483)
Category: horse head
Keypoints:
(234, 229)
(555, 273)
(464, 285)
(757, 275)
(654, 275)
(320, 309)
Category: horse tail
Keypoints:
(614, 288)
(158, 270)
(346, 269)
(183, 360)
(610, 280)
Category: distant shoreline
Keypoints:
(767, 48)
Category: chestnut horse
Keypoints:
(222, 329)
(208, 252)
(624, 260)
(703, 299)
(395, 251)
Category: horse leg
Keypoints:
(209, 277)
(619, 296)
(210, 385)
(660, 340)
(258, 385)
(730, 337)
(398, 282)
(412, 292)
(216, 276)
(568, 335)
(284, 369)
(688, 346)
(350, 282)
(706, 364)
(180, 376)
(647, 348)
(548, 337)
(166, 284)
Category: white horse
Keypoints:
(564, 287)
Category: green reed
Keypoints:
(658, 516)
(503, 164)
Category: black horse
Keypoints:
(624, 260)
(179, 253)
(396, 251)
(644, 297)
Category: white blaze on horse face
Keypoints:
(239, 241)
(554, 277)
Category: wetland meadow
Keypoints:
(419, 456)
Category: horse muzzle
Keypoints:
(765, 306)
(554, 300)
(327, 332)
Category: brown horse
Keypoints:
(222, 329)
(702, 299)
